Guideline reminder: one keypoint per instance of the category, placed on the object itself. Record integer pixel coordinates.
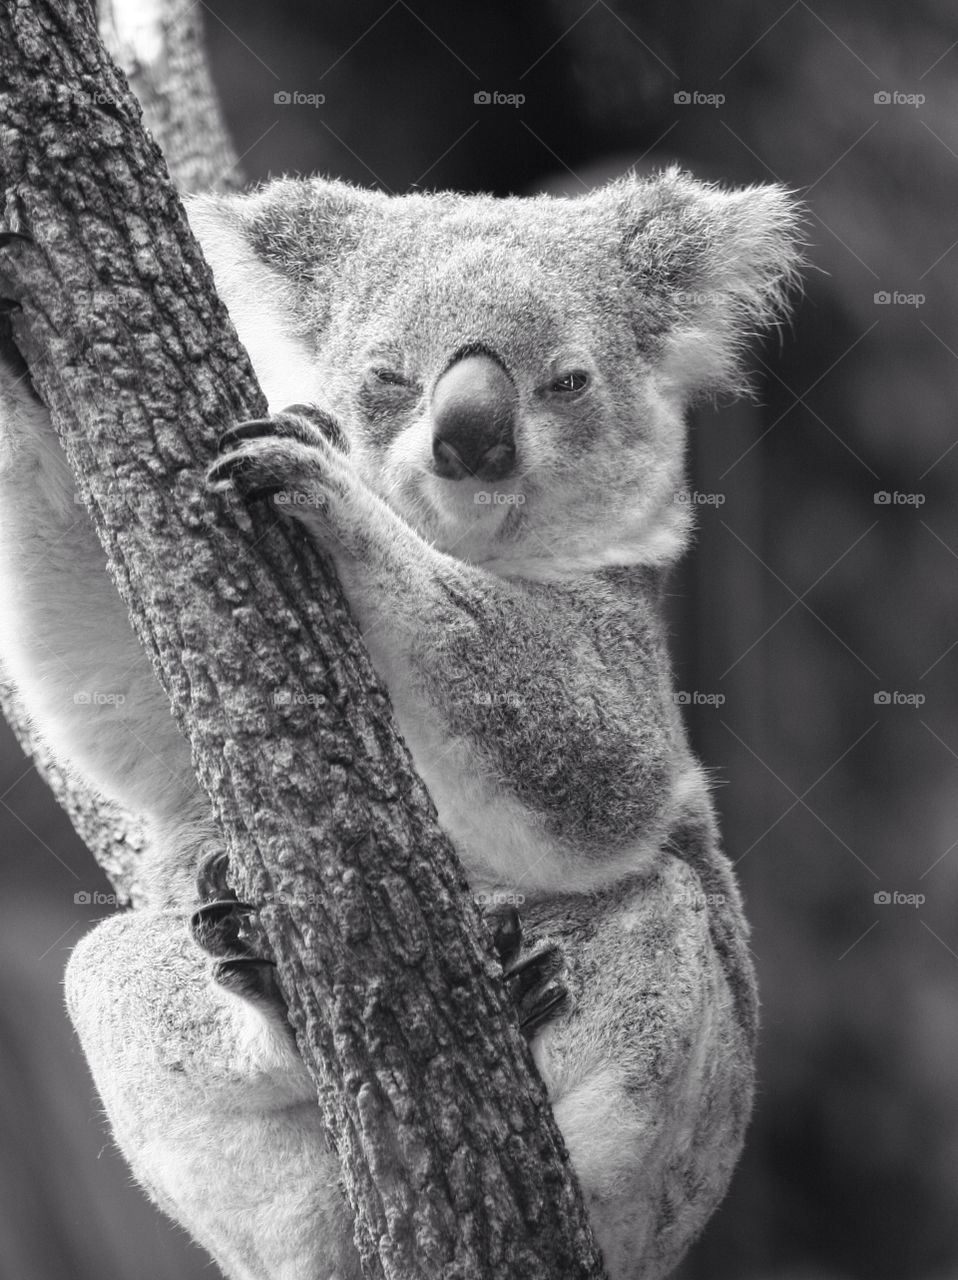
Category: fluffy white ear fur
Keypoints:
(727, 260)
(259, 302)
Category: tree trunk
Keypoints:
(160, 48)
(452, 1161)
(159, 45)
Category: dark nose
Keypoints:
(474, 414)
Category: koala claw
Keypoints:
(546, 1004)
(237, 469)
(506, 933)
(250, 977)
(529, 980)
(218, 927)
(276, 456)
(212, 877)
(304, 422)
(222, 926)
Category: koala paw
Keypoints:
(294, 456)
(530, 979)
(224, 927)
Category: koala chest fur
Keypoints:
(509, 382)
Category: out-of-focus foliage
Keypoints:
(804, 601)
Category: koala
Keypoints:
(477, 412)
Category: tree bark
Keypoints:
(452, 1161)
(159, 45)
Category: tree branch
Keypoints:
(159, 44)
(452, 1161)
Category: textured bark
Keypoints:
(159, 45)
(452, 1160)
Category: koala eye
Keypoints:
(570, 383)
(390, 378)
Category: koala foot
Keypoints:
(531, 978)
(223, 927)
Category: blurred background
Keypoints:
(815, 623)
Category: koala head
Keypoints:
(511, 374)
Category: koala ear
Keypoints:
(274, 255)
(299, 228)
(711, 268)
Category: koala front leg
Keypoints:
(538, 714)
(209, 1102)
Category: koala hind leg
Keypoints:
(209, 1102)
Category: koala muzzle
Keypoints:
(474, 408)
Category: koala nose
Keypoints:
(474, 412)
